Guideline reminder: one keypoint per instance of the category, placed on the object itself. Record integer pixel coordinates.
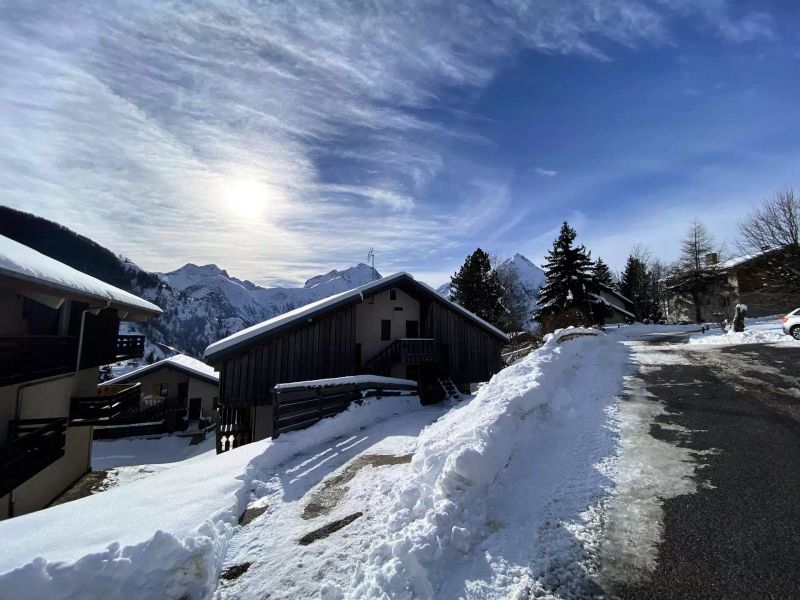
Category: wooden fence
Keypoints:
(300, 406)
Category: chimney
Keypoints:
(712, 258)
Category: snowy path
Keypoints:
(282, 568)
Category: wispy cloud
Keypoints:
(135, 123)
(546, 172)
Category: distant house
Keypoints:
(188, 387)
(395, 326)
(620, 307)
(739, 280)
(57, 326)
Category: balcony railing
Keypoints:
(33, 445)
(407, 351)
(25, 358)
(112, 405)
(130, 346)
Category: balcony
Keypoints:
(26, 358)
(406, 351)
(112, 405)
(33, 445)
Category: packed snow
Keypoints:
(349, 379)
(21, 262)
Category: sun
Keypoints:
(246, 198)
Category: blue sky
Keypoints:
(279, 140)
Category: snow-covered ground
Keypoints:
(131, 459)
(501, 496)
(763, 330)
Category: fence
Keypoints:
(300, 405)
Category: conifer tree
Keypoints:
(476, 287)
(602, 273)
(635, 285)
(569, 279)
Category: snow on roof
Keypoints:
(20, 262)
(349, 379)
(181, 362)
(356, 294)
(611, 290)
(614, 306)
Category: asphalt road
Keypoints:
(738, 536)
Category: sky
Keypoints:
(281, 139)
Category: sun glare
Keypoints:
(246, 198)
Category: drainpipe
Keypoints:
(27, 384)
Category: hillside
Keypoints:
(201, 303)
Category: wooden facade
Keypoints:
(325, 345)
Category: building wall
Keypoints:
(13, 323)
(197, 388)
(50, 399)
(370, 313)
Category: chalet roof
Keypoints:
(354, 296)
(611, 290)
(613, 306)
(179, 362)
(44, 275)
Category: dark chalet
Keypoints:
(395, 326)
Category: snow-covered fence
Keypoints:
(301, 404)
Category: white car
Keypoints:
(791, 324)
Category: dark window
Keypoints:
(412, 329)
(386, 329)
(392, 294)
(164, 391)
(42, 320)
(398, 308)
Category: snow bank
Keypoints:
(439, 513)
(164, 536)
(766, 330)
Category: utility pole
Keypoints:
(371, 261)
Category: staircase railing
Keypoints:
(405, 350)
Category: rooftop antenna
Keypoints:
(371, 261)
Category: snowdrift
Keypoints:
(160, 537)
(440, 512)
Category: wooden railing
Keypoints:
(33, 445)
(26, 358)
(298, 407)
(407, 351)
(109, 407)
(130, 346)
(233, 428)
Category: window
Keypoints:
(398, 308)
(392, 294)
(386, 329)
(164, 390)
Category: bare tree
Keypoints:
(696, 273)
(774, 224)
(773, 230)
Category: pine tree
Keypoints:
(635, 285)
(569, 279)
(602, 273)
(476, 287)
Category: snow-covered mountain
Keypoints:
(527, 275)
(204, 303)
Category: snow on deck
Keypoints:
(21, 262)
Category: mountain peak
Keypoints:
(345, 279)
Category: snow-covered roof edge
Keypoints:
(18, 261)
(611, 290)
(180, 362)
(346, 380)
(342, 298)
(602, 300)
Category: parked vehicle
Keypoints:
(791, 324)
